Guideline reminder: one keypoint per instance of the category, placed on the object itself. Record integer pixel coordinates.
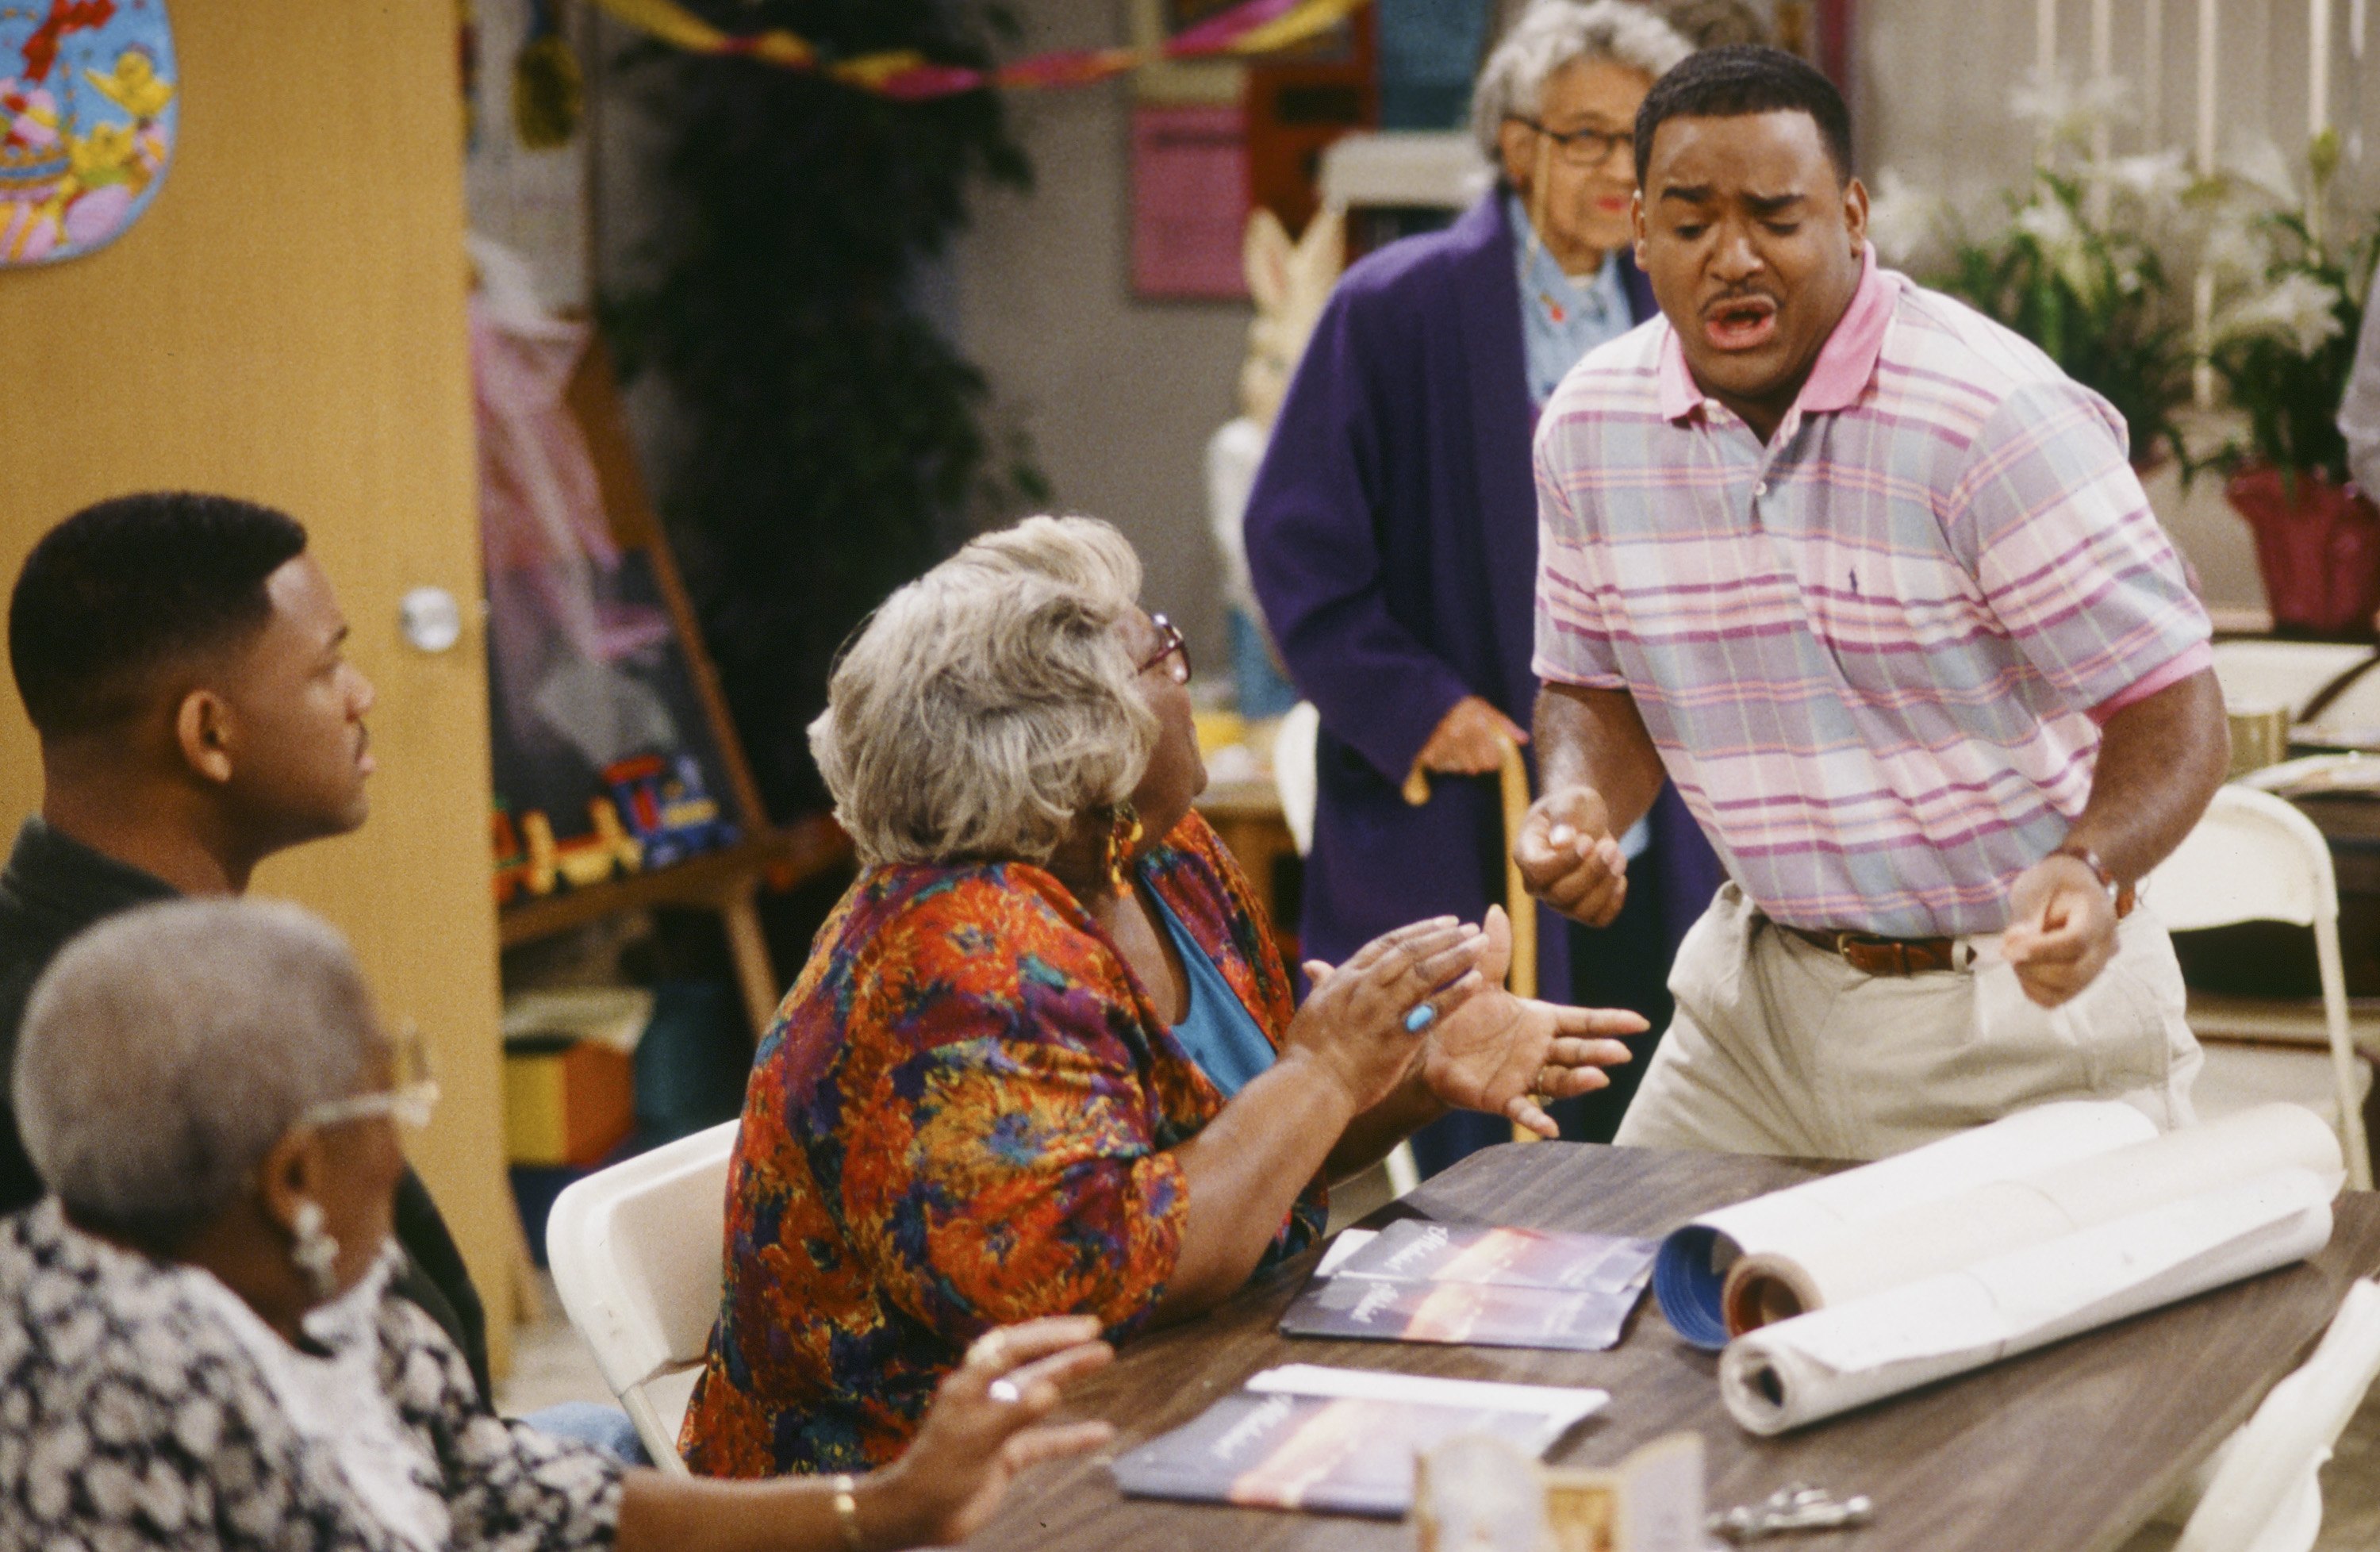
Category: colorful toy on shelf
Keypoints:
(511, 861)
(581, 862)
(668, 809)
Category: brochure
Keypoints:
(1339, 1440)
(1484, 1286)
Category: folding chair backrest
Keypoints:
(2252, 857)
(635, 1251)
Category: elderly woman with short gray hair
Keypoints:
(1045, 1058)
(198, 1348)
(1393, 531)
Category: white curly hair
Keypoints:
(988, 704)
(1552, 34)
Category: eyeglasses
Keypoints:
(1169, 644)
(1584, 148)
(407, 1101)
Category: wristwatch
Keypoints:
(2090, 859)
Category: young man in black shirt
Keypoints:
(181, 657)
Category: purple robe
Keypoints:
(1392, 537)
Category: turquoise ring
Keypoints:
(1421, 1018)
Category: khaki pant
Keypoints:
(1778, 1046)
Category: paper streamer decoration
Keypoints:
(1255, 27)
(1690, 1276)
(88, 109)
(1802, 1370)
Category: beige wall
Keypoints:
(287, 325)
(1120, 396)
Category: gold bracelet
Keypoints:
(846, 1513)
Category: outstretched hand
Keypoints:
(984, 1429)
(1503, 1054)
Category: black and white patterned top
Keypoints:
(140, 1407)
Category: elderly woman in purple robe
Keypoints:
(1393, 532)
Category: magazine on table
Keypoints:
(1420, 1282)
(1342, 1441)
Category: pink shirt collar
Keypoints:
(1846, 363)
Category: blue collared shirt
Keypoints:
(1562, 319)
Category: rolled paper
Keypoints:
(1690, 1274)
(1812, 1366)
(1925, 1238)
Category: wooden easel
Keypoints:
(728, 881)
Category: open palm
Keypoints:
(1500, 1054)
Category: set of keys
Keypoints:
(1798, 1507)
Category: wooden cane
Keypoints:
(1521, 977)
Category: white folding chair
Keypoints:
(635, 1251)
(2263, 1488)
(2254, 857)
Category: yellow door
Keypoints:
(287, 325)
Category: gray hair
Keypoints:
(167, 1049)
(1552, 34)
(986, 706)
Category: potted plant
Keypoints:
(2073, 263)
(2283, 343)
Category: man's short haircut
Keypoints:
(126, 587)
(1742, 79)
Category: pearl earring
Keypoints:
(312, 1250)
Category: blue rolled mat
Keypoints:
(1690, 1288)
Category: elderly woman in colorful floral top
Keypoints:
(198, 1346)
(1044, 1059)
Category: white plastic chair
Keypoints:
(2263, 1488)
(1293, 772)
(2254, 857)
(635, 1251)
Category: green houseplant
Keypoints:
(829, 441)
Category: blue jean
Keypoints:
(605, 1427)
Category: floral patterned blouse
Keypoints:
(141, 1407)
(961, 1119)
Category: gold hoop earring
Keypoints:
(1123, 834)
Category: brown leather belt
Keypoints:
(1872, 955)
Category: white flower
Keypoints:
(1902, 218)
(2064, 112)
(2236, 249)
(2259, 165)
(2155, 180)
(2297, 308)
(2050, 223)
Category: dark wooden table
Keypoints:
(2070, 1447)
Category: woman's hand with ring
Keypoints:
(1362, 1022)
(985, 1428)
(1511, 1056)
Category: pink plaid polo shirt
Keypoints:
(1874, 653)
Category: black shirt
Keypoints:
(53, 888)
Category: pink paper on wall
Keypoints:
(1189, 200)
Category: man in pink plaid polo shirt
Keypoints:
(1872, 582)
